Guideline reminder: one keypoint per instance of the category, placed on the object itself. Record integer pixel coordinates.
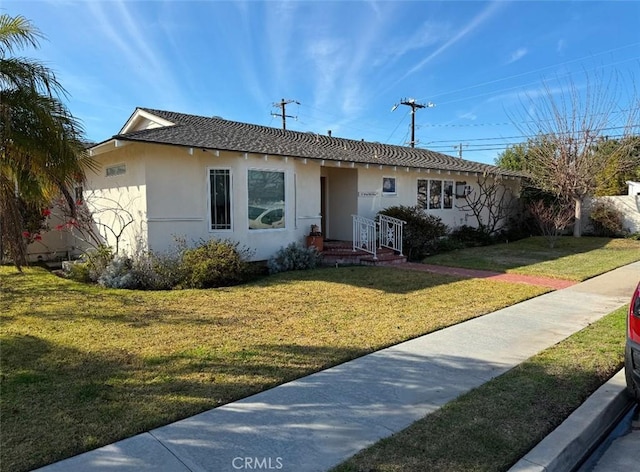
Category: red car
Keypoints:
(632, 351)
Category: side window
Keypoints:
(119, 169)
(220, 198)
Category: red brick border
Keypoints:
(555, 284)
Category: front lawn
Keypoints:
(571, 259)
(83, 366)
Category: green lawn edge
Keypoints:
(491, 427)
(576, 259)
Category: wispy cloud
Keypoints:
(517, 55)
(562, 44)
(469, 28)
(134, 44)
(429, 33)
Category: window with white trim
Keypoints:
(433, 194)
(266, 199)
(220, 198)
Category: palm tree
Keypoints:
(41, 150)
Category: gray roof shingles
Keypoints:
(219, 134)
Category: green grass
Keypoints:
(494, 425)
(571, 259)
(83, 366)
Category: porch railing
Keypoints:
(391, 232)
(364, 235)
(368, 233)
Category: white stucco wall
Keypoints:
(178, 198)
(371, 198)
(119, 201)
(629, 206)
(55, 245)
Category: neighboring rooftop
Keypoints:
(219, 134)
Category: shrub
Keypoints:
(470, 236)
(421, 231)
(98, 260)
(119, 274)
(606, 219)
(294, 257)
(78, 271)
(91, 265)
(215, 264)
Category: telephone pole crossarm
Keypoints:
(282, 104)
(411, 102)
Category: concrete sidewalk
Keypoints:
(316, 422)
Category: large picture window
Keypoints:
(266, 199)
(220, 198)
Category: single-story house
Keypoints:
(198, 178)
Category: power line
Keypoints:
(523, 135)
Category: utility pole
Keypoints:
(459, 148)
(411, 102)
(283, 103)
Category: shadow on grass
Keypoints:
(385, 279)
(59, 401)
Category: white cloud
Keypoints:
(517, 55)
(561, 46)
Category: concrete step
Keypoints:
(342, 253)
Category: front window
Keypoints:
(448, 194)
(435, 194)
(266, 199)
(423, 193)
(220, 198)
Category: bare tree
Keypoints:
(569, 122)
(552, 217)
(490, 203)
(99, 220)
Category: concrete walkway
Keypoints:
(316, 422)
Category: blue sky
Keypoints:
(346, 62)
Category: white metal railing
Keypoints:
(367, 234)
(364, 235)
(391, 233)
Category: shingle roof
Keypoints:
(219, 134)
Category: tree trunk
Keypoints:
(577, 226)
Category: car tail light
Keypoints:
(634, 316)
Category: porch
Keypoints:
(374, 243)
(342, 253)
